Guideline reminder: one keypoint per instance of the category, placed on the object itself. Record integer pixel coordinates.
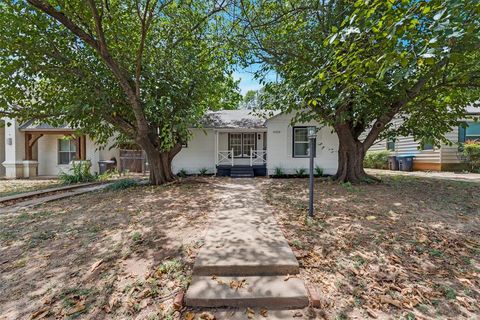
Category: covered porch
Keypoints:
(241, 152)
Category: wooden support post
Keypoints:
(30, 140)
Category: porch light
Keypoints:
(312, 134)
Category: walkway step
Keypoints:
(271, 292)
(243, 260)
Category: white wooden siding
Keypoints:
(279, 147)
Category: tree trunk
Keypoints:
(160, 162)
(351, 153)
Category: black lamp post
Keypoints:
(312, 134)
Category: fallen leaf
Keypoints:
(371, 217)
(237, 284)
(264, 312)
(39, 314)
(287, 277)
(189, 316)
(80, 306)
(207, 316)
(96, 265)
(250, 313)
(389, 300)
(371, 313)
(422, 238)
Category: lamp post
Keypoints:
(312, 134)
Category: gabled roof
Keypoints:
(232, 119)
(35, 125)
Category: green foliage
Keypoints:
(354, 65)
(471, 150)
(301, 172)
(203, 171)
(376, 159)
(137, 237)
(156, 64)
(182, 173)
(170, 267)
(279, 172)
(318, 171)
(78, 173)
(121, 185)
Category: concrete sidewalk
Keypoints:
(441, 175)
(245, 243)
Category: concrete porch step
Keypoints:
(271, 292)
(238, 259)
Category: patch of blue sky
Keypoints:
(247, 78)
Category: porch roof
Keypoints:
(233, 119)
(36, 126)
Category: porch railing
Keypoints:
(256, 157)
(225, 157)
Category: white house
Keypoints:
(228, 142)
(444, 158)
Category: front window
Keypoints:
(472, 132)
(67, 151)
(300, 142)
(241, 144)
(391, 144)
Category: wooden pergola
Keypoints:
(32, 136)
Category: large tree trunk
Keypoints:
(160, 163)
(351, 153)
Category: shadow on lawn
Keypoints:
(405, 247)
(101, 252)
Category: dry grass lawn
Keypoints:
(407, 248)
(11, 187)
(105, 255)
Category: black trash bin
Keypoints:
(106, 165)
(392, 163)
(405, 163)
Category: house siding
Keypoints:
(280, 142)
(444, 158)
(199, 153)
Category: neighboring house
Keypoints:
(444, 158)
(229, 142)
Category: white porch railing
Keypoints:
(256, 157)
(225, 157)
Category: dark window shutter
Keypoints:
(461, 134)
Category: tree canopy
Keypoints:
(146, 69)
(355, 65)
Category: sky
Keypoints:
(247, 80)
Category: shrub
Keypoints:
(80, 172)
(121, 184)
(182, 173)
(318, 171)
(301, 172)
(279, 172)
(471, 150)
(203, 171)
(376, 159)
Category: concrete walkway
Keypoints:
(245, 259)
(52, 197)
(443, 175)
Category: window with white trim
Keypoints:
(241, 144)
(300, 142)
(67, 151)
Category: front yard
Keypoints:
(110, 254)
(408, 248)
